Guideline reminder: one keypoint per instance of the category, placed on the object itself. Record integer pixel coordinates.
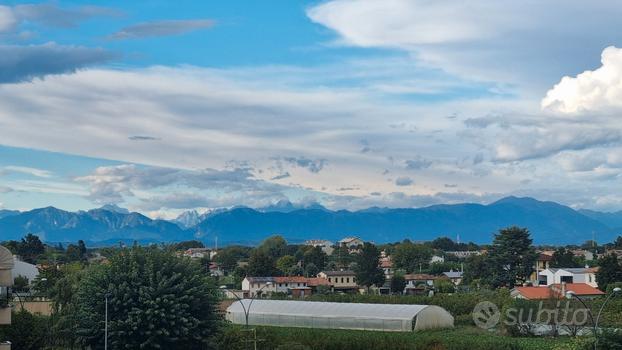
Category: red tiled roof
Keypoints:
(555, 290)
(545, 257)
(532, 293)
(578, 288)
(420, 277)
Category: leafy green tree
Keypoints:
(609, 271)
(412, 257)
(261, 264)
(477, 269)
(156, 301)
(317, 257)
(368, 273)
(438, 268)
(342, 256)
(26, 332)
(311, 270)
(397, 283)
(30, 248)
(185, 245)
(229, 257)
(563, 257)
(444, 286)
(443, 243)
(275, 246)
(20, 284)
(618, 243)
(285, 264)
(512, 256)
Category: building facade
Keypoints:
(6, 282)
(344, 281)
(585, 275)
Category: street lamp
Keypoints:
(106, 297)
(570, 294)
(247, 310)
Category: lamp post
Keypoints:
(570, 294)
(247, 310)
(106, 297)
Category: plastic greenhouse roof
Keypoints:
(327, 309)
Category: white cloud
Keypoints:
(27, 170)
(598, 91)
(7, 19)
(527, 42)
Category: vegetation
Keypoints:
(367, 271)
(610, 271)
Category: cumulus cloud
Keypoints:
(162, 28)
(599, 90)
(23, 63)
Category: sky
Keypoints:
(162, 106)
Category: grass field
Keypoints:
(461, 338)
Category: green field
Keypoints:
(461, 338)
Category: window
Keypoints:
(348, 280)
(341, 279)
(329, 279)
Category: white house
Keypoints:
(585, 275)
(351, 242)
(24, 269)
(327, 246)
(437, 259)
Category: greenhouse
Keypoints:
(310, 314)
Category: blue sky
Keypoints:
(164, 106)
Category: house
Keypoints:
(419, 283)
(344, 281)
(582, 253)
(543, 262)
(199, 253)
(464, 254)
(568, 275)
(386, 264)
(351, 242)
(454, 276)
(24, 269)
(6, 281)
(327, 246)
(295, 286)
(556, 291)
(437, 259)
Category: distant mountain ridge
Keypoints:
(549, 223)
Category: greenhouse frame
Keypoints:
(312, 314)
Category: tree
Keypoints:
(20, 284)
(185, 245)
(563, 257)
(73, 253)
(443, 243)
(275, 246)
(311, 270)
(30, 248)
(229, 257)
(398, 283)
(156, 300)
(477, 270)
(618, 243)
(317, 257)
(368, 273)
(261, 264)
(26, 332)
(438, 268)
(412, 257)
(512, 256)
(609, 271)
(285, 264)
(342, 256)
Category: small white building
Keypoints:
(454, 276)
(585, 275)
(24, 269)
(437, 259)
(200, 253)
(327, 246)
(351, 242)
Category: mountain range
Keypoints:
(549, 223)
